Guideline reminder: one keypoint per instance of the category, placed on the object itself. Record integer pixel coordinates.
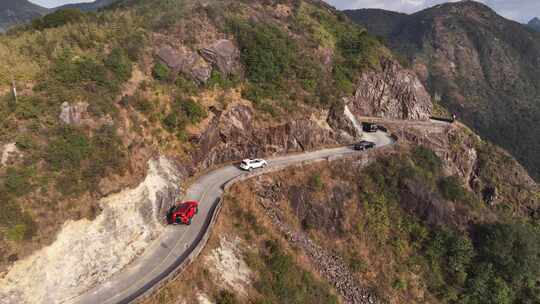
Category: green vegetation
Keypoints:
(281, 280)
(496, 263)
(14, 222)
(69, 148)
(80, 161)
(280, 67)
(183, 112)
(226, 297)
(17, 181)
(58, 18)
(355, 49)
(451, 188)
(507, 266)
(268, 55)
(316, 183)
(161, 71)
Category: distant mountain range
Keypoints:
(13, 12)
(480, 66)
(534, 24)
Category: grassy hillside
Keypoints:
(100, 71)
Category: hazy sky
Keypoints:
(519, 10)
(54, 3)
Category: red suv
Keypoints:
(183, 213)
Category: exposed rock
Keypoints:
(224, 55)
(73, 114)
(9, 153)
(87, 253)
(394, 93)
(185, 61)
(201, 299)
(233, 135)
(340, 118)
(229, 267)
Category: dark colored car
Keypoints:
(183, 213)
(369, 127)
(364, 145)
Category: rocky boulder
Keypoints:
(224, 55)
(185, 61)
(393, 92)
(340, 118)
(73, 114)
(9, 154)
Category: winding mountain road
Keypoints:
(176, 243)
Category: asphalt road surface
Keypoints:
(175, 244)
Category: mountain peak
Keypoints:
(534, 23)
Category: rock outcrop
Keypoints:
(8, 154)
(185, 61)
(234, 134)
(86, 252)
(224, 55)
(74, 114)
(393, 92)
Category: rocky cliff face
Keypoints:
(477, 163)
(87, 253)
(478, 65)
(393, 92)
(234, 134)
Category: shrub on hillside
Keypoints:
(282, 280)
(68, 149)
(508, 264)
(426, 159)
(17, 181)
(58, 18)
(193, 110)
(120, 64)
(451, 188)
(15, 224)
(161, 71)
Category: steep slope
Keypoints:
(478, 65)
(102, 95)
(534, 24)
(13, 12)
(404, 224)
(118, 110)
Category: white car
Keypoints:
(250, 164)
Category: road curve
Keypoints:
(177, 242)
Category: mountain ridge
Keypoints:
(534, 24)
(479, 64)
(14, 12)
